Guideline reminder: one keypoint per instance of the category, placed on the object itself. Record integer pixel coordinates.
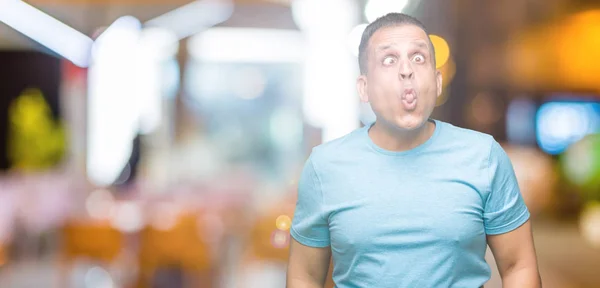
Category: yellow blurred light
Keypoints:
(559, 56)
(589, 224)
(448, 71)
(442, 50)
(528, 61)
(283, 222)
(578, 50)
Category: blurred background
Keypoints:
(149, 143)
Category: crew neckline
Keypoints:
(414, 150)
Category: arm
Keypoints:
(310, 250)
(507, 224)
(515, 257)
(308, 266)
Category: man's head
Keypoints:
(398, 71)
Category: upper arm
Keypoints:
(309, 250)
(506, 217)
(514, 250)
(309, 225)
(504, 207)
(308, 266)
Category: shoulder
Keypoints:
(339, 148)
(480, 148)
(468, 140)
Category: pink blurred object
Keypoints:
(43, 200)
(7, 211)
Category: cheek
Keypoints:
(384, 95)
(428, 86)
(383, 84)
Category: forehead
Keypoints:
(398, 35)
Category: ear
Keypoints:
(361, 86)
(439, 82)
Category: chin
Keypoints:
(409, 122)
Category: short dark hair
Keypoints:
(388, 20)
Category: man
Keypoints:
(408, 201)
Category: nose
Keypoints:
(406, 71)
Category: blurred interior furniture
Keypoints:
(95, 241)
(177, 249)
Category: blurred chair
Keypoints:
(95, 241)
(180, 249)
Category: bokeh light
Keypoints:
(165, 216)
(581, 163)
(100, 204)
(484, 109)
(559, 124)
(520, 121)
(536, 176)
(128, 217)
(442, 50)
(448, 71)
(97, 277)
(283, 222)
(589, 224)
(541, 57)
(280, 239)
(582, 28)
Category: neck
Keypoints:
(391, 138)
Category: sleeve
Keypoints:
(504, 209)
(309, 226)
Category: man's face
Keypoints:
(401, 83)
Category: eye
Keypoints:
(389, 60)
(418, 58)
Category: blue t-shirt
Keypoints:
(415, 218)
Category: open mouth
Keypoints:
(409, 99)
